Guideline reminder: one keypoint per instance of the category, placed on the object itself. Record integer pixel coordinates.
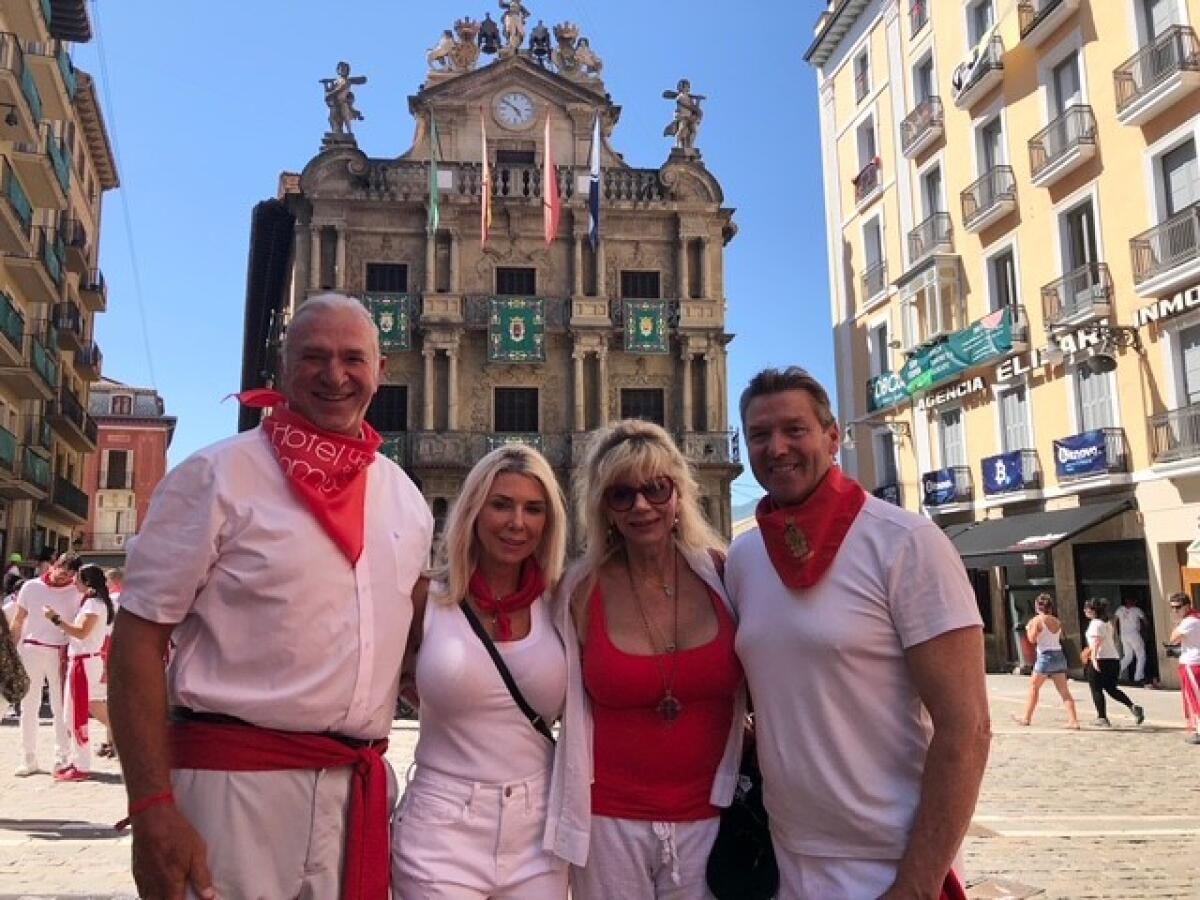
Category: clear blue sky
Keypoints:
(209, 102)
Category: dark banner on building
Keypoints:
(516, 329)
(981, 342)
(1081, 454)
(937, 487)
(646, 326)
(392, 318)
(1002, 473)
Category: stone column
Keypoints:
(601, 286)
(681, 268)
(314, 268)
(339, 276)
(580, 420)
(452, 389)
(705, 269)
(602, 355)
(427, 418)
(430, 261)
(577, 267)
(711, 402)
(302, 268)
(686, 356)
(455, 261)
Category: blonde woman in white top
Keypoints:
(1044, 631)
(470, 823)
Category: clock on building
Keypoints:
(513, 109)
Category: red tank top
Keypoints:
(645, 767)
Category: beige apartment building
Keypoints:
(1013, 215)
(55, 164)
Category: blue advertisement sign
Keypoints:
(937, 487)
(1002, 473)
(1081, 454)
(890, 493)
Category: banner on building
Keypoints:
(889, 493)
(937, 487)
(1081, 454)
(393, 448)
(981, 342)
(646, 326)
(1002, 473)
(516, 329)
(393, 320)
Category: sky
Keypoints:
(206, 103)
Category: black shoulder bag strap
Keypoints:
(534, 718)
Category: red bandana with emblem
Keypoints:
(326, 471)
(802, 540)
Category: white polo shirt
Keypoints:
(36, 594)
(274, 624)
(842, 733)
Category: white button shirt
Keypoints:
(274, 624)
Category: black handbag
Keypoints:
(741, 864)
(14, 680)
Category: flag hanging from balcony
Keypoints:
(551, 207)
(434, 193)
(485, 186)
(594, 187)
(393, 448)
(393, 320)
(516, 329)
(646, 326)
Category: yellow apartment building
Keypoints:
(55, 164)
(1013, 216)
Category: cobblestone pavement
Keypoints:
(1078, 815)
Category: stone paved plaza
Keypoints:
(1113, 814)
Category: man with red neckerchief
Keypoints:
(280, 563)
(863, 651)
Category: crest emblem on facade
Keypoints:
(646, 326)
(797, 543)
(387, 322)
(516, 329)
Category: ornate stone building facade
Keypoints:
(507, 336)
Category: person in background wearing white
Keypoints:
(1130, 622)
(1044, 631)
(115, 578)
(86, 692)
(1187, 636)
(470, 822)
(1103, 665)
(43, 648)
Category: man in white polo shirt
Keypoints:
(281, 563)
(863, 651)
(43, 649)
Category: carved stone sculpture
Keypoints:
(513, 22)
(587, 59)
(466, 49)
(566, 33)
(539, 43)
(441, 56)
(688, 115)
(489, 34)
(340, 99)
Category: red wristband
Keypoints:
(166, 797)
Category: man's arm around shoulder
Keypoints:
(948, 672)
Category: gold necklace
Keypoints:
(668, 707)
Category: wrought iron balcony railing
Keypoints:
(986, 194)
(1081, 294)
(70, 498)
(963, 488)
(935, 234)
(1116, 457)
(875, 281)
(8, 450)
(1175, 434)
(1167, 245)
(1028, 476)
(12, 323)
(1031, 13)
(991, 60)
(1175, 50)
(866, 181)
(926, 117)
(14, 193)
(1074, 128)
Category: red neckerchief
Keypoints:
(1191, 614)
(803, 540)
(247, 748)
(531, 586)
(327, 472)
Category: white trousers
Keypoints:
(829, 878)
(270, 834)
(81, 754)
(43, 664)
(1134, 647)
(454, 839)
(636, 860)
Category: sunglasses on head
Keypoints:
(657, 491)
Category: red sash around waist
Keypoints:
(77, 686)
(44, 644)
(247, 748)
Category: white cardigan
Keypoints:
(569, 815)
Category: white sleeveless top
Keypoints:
(1049, 640)
(471, 728)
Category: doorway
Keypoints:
(1113, 570)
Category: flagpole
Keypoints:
(485, 186)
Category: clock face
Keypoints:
(514, 109)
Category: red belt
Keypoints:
(247, 748)
(43, 644)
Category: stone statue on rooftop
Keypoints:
(466, 49)
(566, 34)
(539, 43)
(513, 21)
(340, 99)
(489, 34)
(441, 56)
(688, 115)
(587, 59)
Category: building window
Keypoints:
(118, 473)
(387, 278)
(931, 191)
(991, 145)
(1189, 350)
(389, 408)
(885, 458)
(643, 403)
(517, 282)
(121, 405)
(1156, 16)
(1180, 178)
(1093, 394)
(981, 16)
(1079, 242)
(866, 142)
(862, 76)
(875, 281)
(880, 353)
(950, 438)
(1066, 87)
(516, 410)
(924, 85)
(1014, 420)
(933, 305)
(1002, 281)
(516, 157)
(640, 285)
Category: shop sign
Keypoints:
(1016, 366)
(979, 343)
(1189, 298)
(937, 487)
(1002, 473)
(946, 395)
(1081, 454)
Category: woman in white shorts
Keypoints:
(470, 823)
(86, 692)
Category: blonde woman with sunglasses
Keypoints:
(652, 730)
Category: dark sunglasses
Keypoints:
(621, 497)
